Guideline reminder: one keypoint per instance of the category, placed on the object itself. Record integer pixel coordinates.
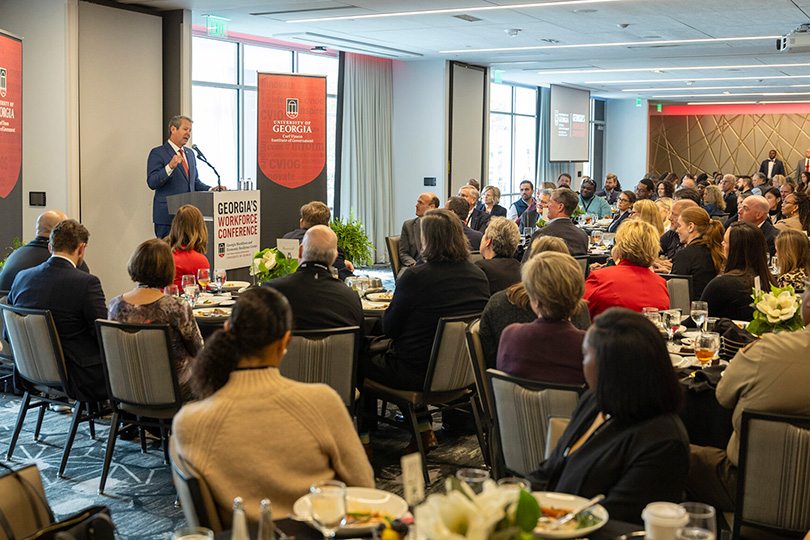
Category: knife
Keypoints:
(573, 513)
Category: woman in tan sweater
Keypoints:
(255, 434)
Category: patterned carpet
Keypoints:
(139, 488)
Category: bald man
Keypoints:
(34, 252)
(754, 209)
(319, 300)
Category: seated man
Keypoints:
(34, 252)
(459, 207)
(593, 204)
(75, 299)
(754, 209)
(336, 305)
(770, 375)
(562, 204)
(670, 241)
(475, 219)
(317, 213)
(410, 239)
(535, 211)
(526, 199)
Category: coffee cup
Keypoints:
(663, 519)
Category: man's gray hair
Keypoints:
(319, 245)
(543, 192)
(177, 121)
(505, 236)
(474, 192)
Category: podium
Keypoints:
(233, 221)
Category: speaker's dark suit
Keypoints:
(165, 185)
(75, 300)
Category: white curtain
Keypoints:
(366, 171)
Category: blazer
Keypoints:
(770, 233)
(173, 184)
(497, 211)
(559, 360)
(473, 237)
(625, 285)
(317, 299)
(631, 464)
(695, 260)
(478, 220)
(617, 220)
(778, 168)
(800, 166)
(410, 242)
(575, 238)
(731, 203)
(612, 197)
(30, 255)
(502, 272)
(792, 222)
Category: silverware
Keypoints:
(573, 513)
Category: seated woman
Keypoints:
(665, 188)
(492, 196)
(625, 206)
(498, 247)
(188, 239)
(796, 209)
(555, 284)
(239, 436)
(647, 210)
(713, 201)
(729, 294)
(151, 267)
(793, 254)
(664, 205)
(631, 283)
(774, 198)
(625, 439)
(702, 257)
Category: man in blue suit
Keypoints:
(172, 169)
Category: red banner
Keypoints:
(10, 113)
(291, 149)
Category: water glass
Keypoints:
(671, 319)
(653, 315)
(706, 346)
(362, 283)
(328, 500)
(514, 484)
(203, 278)
(596, 238)
(171, 290)
(220, 276)
(474, 478)
(351, 282)
(192, 294)
(699, 311)
(702, 524)
(193, 533)
(188, 279)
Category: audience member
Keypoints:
(803, 166)
(729, 194)
(188, 240)
(745, 185)
(498, 248)
(729, 294)
(625, 439)
(688, 182)
(645, 189)
(562, 204)
(630, 283)
(625, 209)
(590, 203)
(664, 205)
(532, 215)
(787, 187)
(646, 210)
(492, 196)
(774, 198)
(517, 208)
(612, 189)
(475, 219)
(702, 256)
(796, 209)
(564, 180)
(75, 300)
(690, 194)
(317, 213)
(337, 306)
(459, 207)
(804, 181)
(555, 284)
(754, 210)
(793, 253)
(772, 166)
(240, 434)
(410, 239)
(770, 375)
(778, 180)
(665, 188)
(713, 201)
(34, 252)
(151, 267)
(759, 183)
(670, 241)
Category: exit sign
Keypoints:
(217, 26)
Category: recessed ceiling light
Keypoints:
(630, 70)
(679, 89)
(453, 10)
(726, 94)
(582, 11)
(640, 81)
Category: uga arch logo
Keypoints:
(292, 108)
(3, 75)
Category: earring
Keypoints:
(284, 352)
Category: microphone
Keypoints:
(198, 151)
(201, 157)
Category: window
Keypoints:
(224, 96)
(512, 138)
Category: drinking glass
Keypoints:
(350, 283)
(699, 311)
(171, 290)
(514, 484)
(671, 319)
(187, 280)
(706, 346)
(596, 237)
(203, 278)
(653, 315)
(775, 265)
(702, 524)
(362, 283)
(328, 500)
(192, 294)
(220, 276)
(474, 478)
(193, 533)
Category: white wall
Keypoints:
(626, 135)
(420, 127)
(43, 25)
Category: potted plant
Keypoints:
(354, 241)
(16, 244)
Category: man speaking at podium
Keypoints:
(172, 169)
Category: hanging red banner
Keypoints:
(10, 113)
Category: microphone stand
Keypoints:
(201, 157)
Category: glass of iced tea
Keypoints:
(706, 346)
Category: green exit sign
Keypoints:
(659, 107)
(217, 26)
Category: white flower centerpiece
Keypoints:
(270, 263)
(777, 310)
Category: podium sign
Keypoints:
(237, 222)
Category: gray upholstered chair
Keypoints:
(326, 356)
(483, 398)
(24, 507)
(40, 363)
(199, 507)
(6, 358)
(680, 292)
(583, 261)
(392, 243)
(524, 410)
(449, 382)
(773, 483)
(476, 256)
(141, 380)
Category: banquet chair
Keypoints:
(141, 379)
(199, 507)
(475, 256)
(524, 411)
(326, 356)
(6, 358)
(483, 398)
(392, 243)
(773, 475)
(40, 364)
(449, 382)
(679, 288)
(24, 507)
(584, 263)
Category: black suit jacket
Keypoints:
(502, 272)
(498, 211)
(74, 298)
(478, 220)
(731, 203)
(317, 299)
(410, 242)
(340, 262)
(30, 255)
(770, 233)
(778, 168)
(473, 237)
(618, 217)
(575, 238)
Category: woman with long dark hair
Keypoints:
(796, 209)
(729, 294)
(255, 434)
(625, 439)
(702, 258)
(774, 198)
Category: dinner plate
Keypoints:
(359, 499)
(210, 301)
(375, 306)
(235, 285)
(380, 296)
(213, 312)
(692, 334)
(678, 361)
(569, 502)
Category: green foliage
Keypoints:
(352, 237)
(15, 244)
(578, 211)
(528, 511)
(270, 263)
